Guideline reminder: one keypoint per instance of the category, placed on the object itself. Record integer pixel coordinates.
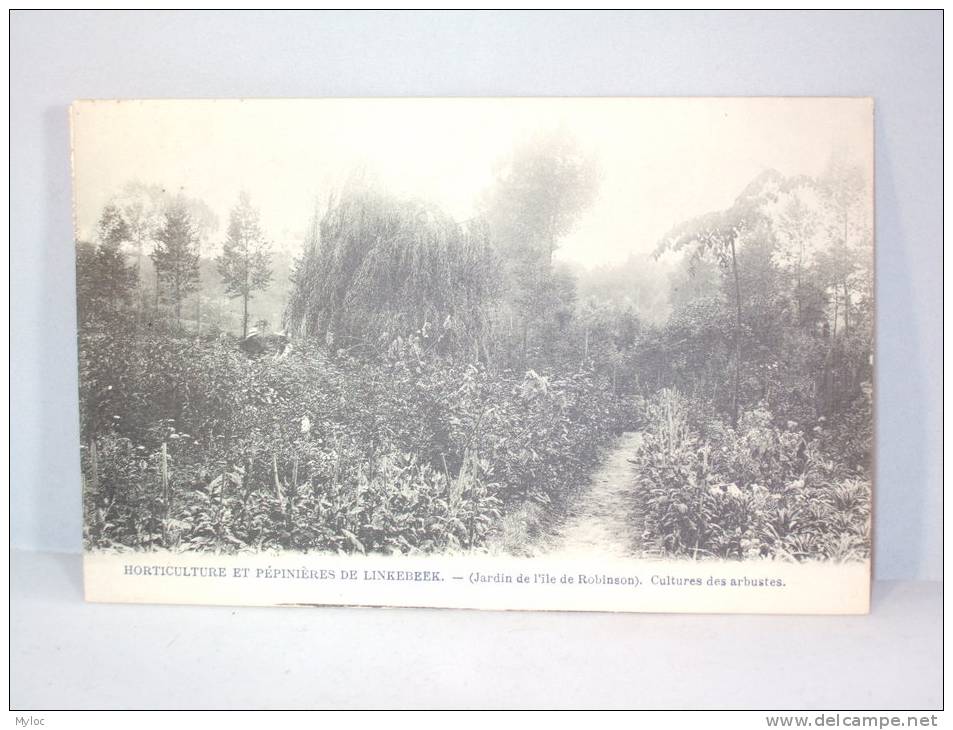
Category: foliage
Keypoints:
(376, 267)
(790, 321)
(323, 451)
(539, 193)
(176, 255)
(245, 263)
(104, 282)
(758, 491)
(446, 377)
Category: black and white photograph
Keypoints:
(441, 360)
(627, 329)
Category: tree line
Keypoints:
(770, 298)
(464, 359)
(178, 230)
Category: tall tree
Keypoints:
(205, 223)
(845, 267)
(538, 196)
(103, 280)
(176, 255)
(540, 192)
(719, 234)
(141, 206)
(796, 221)
(245, 263)
(377, 268)
(844, 185)
(112, 229)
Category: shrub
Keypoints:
(317, 451)
(760, 491)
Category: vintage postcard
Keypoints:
(554, 354)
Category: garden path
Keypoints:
(599, 522)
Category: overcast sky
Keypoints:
(662, 160)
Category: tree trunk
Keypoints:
(799, 290)
(846, 258)
(827, 377)
(736, 385)
(846, 309)
(140, 304)
(246, 290)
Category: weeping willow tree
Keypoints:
(376, 267)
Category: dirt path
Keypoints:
(600, 520)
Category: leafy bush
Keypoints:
(758, 491)
(313, 450)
